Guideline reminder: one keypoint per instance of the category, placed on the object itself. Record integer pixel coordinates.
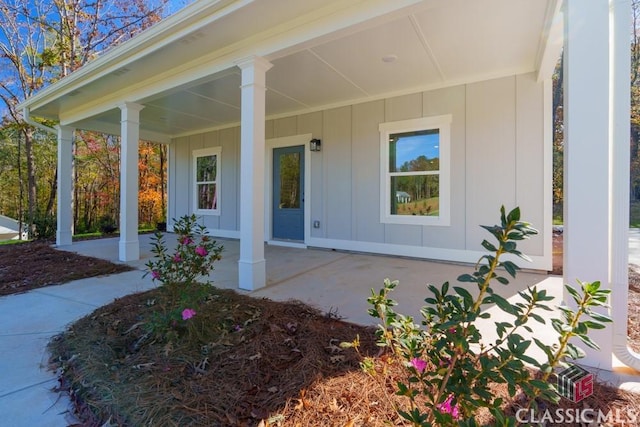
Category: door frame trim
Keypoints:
(287, 141)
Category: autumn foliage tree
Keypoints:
(42, 41)
(97, 185)
(558, 121)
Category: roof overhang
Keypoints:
(325, 53)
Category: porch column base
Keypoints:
(252, 275)
(129, 250)
(63, 238)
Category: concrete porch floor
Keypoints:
(334, 281)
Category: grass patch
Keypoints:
(634, 214)
(424, 207)
(101, 235)
(12, 242)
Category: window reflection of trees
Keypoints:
(289, 181)
(415, 185)
(206, 175)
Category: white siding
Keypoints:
(312, 124)
(229, 140)
(497, 157)
(435, 103)
(530, 153)
(491, 154)
(336, 150)
(366, 174)
(179, 169)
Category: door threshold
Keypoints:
(288, 243)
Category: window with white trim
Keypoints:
(206, 179)
(414, 164)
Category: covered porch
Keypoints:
(336, 282)
(206, 71)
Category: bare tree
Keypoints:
(42, 41)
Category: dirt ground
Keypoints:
(27, 266)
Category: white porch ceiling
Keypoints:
(434, 43)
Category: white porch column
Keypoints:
(129, 247)
(252, 265)
(586, 156)
(64, 230)
(620, 156)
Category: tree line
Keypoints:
(41, 42)
(634, 141)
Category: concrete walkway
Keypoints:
(332, 281)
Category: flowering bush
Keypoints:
(188, 313)
(183, 273)
(447, 362)
(192, 258)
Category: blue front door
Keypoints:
(288, 193)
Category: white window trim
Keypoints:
(443, 124)
(214, 151)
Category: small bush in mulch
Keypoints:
(253, 362)
(237, 361)
(32, 265)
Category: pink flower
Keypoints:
(419, 364)
(455, 412)
(177, 258)
(200, 250)
(186, 240)
(188, 313)
(155, 275)
(446, 408)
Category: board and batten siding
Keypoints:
(181, 173)
(500, 155)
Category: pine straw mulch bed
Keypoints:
(32, 265)
(262, 363)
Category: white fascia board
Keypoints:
(551, 42)
(163, 33)
(322, 22)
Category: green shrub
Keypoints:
(45, 226)
(178, 273)
(446, 360)
(107, 225)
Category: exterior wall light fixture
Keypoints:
(315, 144)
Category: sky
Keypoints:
(25, 32)
(410, 147)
